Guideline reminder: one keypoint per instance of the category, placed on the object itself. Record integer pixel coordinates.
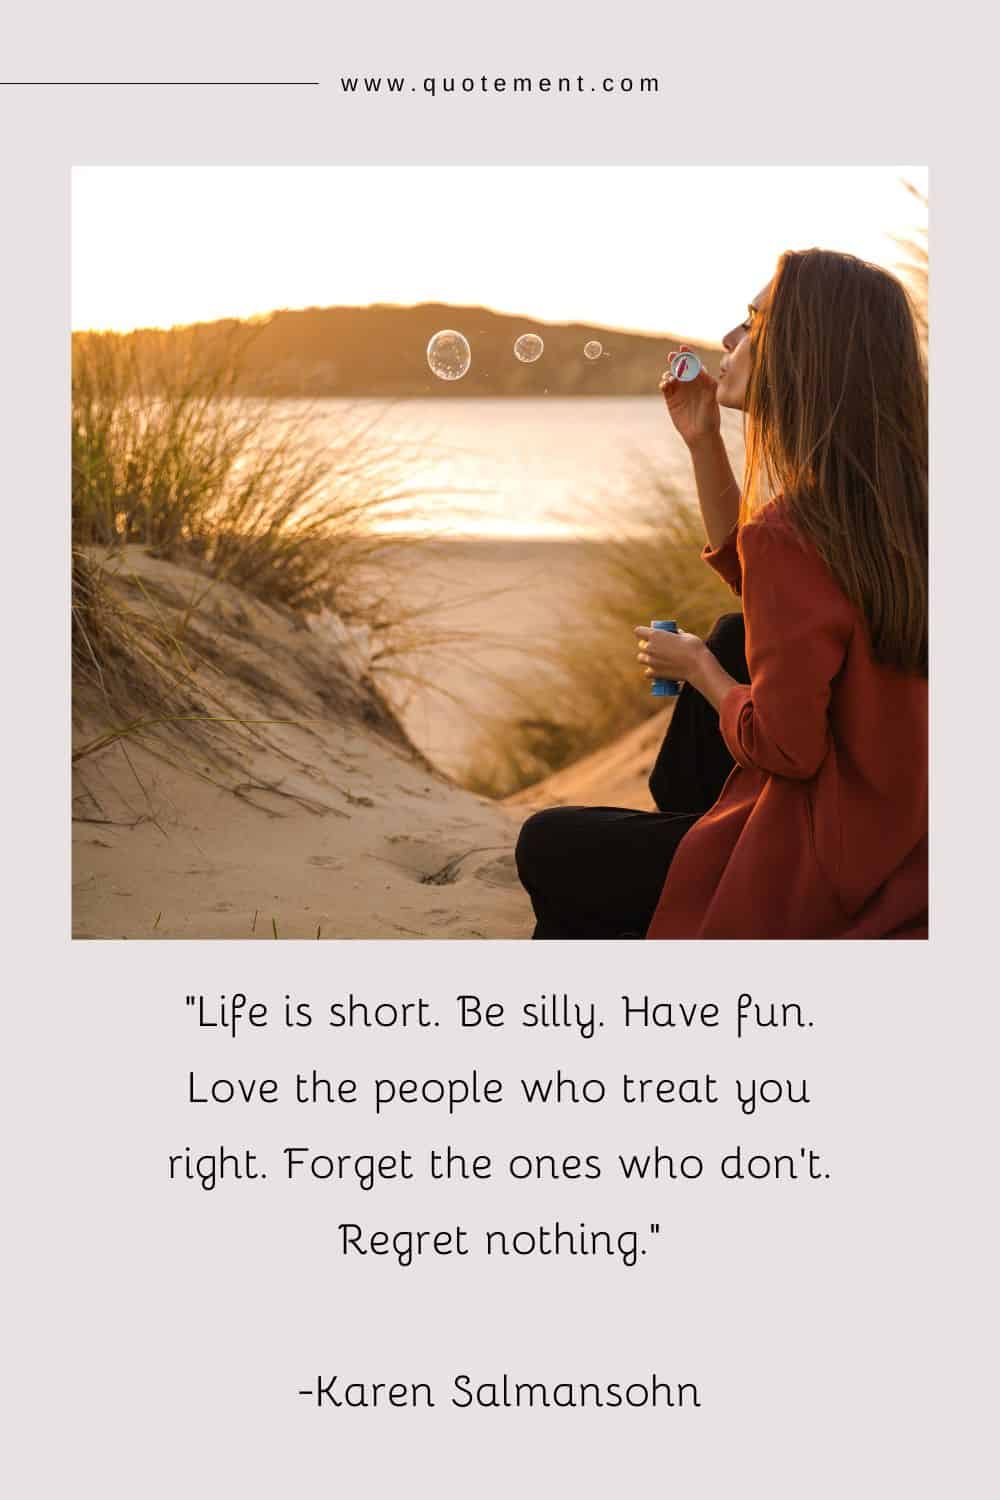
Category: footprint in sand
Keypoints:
(325, 862)
(500, 873)
(442, 916)
(431, 863)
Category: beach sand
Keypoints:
(334, 825)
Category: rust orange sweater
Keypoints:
(821, 828)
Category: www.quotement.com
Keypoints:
(436, 85)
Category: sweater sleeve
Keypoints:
(725, 559)
(798, 624)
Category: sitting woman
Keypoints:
(792, 782)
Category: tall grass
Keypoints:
(915, 265)
(166, 454)
(585, 687)
(134, 670)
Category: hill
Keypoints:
(380, 351)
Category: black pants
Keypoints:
(597, 872)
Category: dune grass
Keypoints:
(138, 677)
(124, 660)
(584, 688)
(914, 266)
(167, 456)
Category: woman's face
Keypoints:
(734, 371)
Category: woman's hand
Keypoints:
(693, 408)
(669, 653)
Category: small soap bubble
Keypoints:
(449, 355)
(528, 348)
(594, 349)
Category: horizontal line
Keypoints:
(159, 83)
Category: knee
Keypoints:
(727, 642)
(726, 630)
(536, 840)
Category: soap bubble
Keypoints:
(449, 355)
(528, 348)
(593, 349)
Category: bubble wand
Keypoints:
(684, 366)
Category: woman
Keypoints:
(792, 782)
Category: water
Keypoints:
(519, 467)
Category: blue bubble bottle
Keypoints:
(665, 687)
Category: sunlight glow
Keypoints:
(661, 249)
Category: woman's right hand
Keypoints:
(692, 405)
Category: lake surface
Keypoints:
(518, 468)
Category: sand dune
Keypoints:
(402, 854)
(614, 776)
(331, 825)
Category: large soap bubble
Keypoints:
(528, 348)
(449, 355)
(593, 349)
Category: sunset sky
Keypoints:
(662, 249)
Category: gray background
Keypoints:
(836, 1330)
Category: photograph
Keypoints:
(499, 552)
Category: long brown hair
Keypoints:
(836, 423)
